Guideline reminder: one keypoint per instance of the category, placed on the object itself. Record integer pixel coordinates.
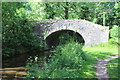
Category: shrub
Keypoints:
(71, 54)
(114, 35)
(114, 41)
(67, 38)
(114, 32)
(20, 40)
(17, 31)
(65, 63)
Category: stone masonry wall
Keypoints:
(91, 32)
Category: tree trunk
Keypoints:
(66, 10)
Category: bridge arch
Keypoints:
(53, 38)
(91, 33)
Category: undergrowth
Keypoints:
(71, 60)
(68, 61)
(113, 68)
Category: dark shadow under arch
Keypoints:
(53, 38)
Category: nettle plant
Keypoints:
(65, 63)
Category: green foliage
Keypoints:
(102, 51)
(18, 37)
(114, 32)
(114, 41)
(114, 35)
(113, 68)
(69, 60)
(99, 52)
(65, 63)
(71, 54)
(17, 20)
(66, 38)
(103, 13)
(35, 11)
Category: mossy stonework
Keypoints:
(92, 33)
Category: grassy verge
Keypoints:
(112, 68)
(88, 70)
(72, 60)
(102, 51)
(95, 53)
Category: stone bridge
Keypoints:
(89, 33)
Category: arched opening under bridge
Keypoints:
(53, 40)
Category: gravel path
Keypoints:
(101, 68)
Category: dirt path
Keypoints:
(101, 68)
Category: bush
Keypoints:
(67, 38)
(114, 34)
(20, 40)
(114, 41)
(65, 63)
(71, 54)
(17, 31)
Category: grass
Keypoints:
(88, 71)
(102, 51)
(112, 68)
(94, 53)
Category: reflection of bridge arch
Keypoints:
(92, 33)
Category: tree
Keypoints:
(18, 37)
(17, 20)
